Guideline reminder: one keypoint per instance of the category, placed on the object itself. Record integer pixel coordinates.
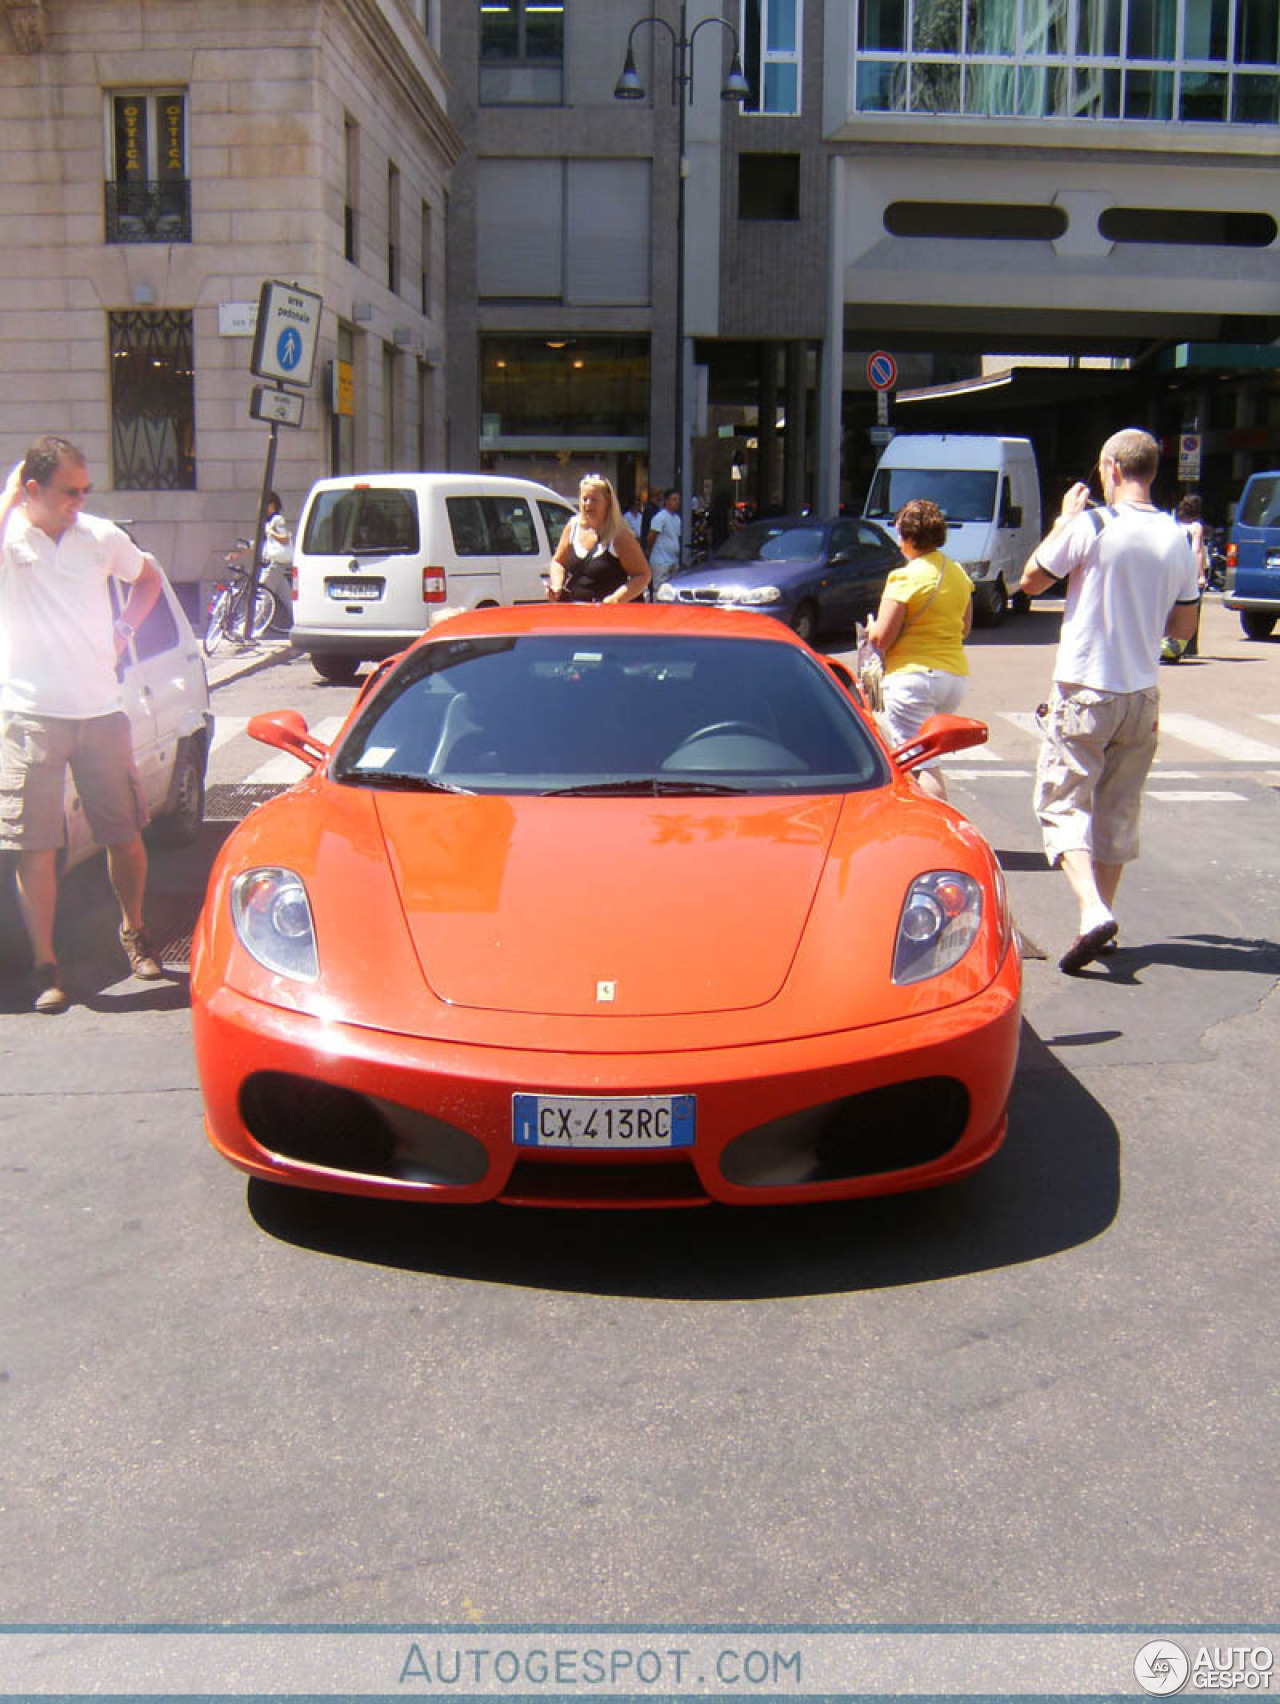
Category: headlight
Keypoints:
(941, 917)
(272, 917)
(752, 595)
(977, 570)
(666, 593)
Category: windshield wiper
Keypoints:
(640, 787)
(398, 778)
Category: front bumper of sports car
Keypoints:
(901, 1105)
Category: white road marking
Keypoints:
(1222, 742)
(1024, 720)
(1184, 796)
(225, 729)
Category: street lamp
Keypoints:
(629, 88)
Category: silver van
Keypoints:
(381, 556)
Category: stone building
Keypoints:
(160, 160)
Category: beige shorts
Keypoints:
(35, 752)
(1097, 751)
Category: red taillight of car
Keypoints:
(1231, 554)
(433, 585)
(293, 584)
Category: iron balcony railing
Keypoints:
(149, 212)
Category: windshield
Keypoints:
(619, 714)
(766, 541)
(963, 494)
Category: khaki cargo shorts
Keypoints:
(1098, 748)
(35, 752)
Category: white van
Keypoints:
(381, 556)
(989, 490)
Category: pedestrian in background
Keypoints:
(60, 699)
(634, 516)
(1130, 579)
(664, 538)
(1190, 517)
(598, 558)
(924, 618)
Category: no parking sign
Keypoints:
(882, 370)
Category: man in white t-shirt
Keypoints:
(663, 542)
(1130, 579)
(60, 699)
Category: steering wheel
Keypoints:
(731, 727)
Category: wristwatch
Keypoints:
(124, 630)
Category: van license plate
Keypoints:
(639, 1122)
(355, 591)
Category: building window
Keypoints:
(521, 52)
(768, 186)
(153, 437)
(426, 238)
(771, 34)
(1168, 61)
(570, 231)
(148, 190)
(546, 392)
(393, 230)
(351, 156)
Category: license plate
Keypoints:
(355, 591)
(637, 1123)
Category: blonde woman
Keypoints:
(598, 559)
(920, 629)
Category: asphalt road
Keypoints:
(1043, 1395)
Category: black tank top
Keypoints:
(591, 578)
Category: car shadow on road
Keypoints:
(1054, 1185)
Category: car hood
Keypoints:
(755, 572)
(598, 907)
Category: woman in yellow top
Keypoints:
(920, 630)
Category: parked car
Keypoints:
(381, 557)
(166, 696)
(1253, 556)
(814, 575)
(607, 906)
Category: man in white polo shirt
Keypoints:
(60, 700)
(1130, 579)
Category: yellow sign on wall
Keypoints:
(342, 388)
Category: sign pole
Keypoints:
(260, 532)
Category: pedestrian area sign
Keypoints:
(284, 345)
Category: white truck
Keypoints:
(989, 491)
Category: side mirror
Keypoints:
(939, 735)
(287, 731)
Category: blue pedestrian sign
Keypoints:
(289, 348)
(284, 344)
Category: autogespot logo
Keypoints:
(1161, 1667)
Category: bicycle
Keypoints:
(224, 618)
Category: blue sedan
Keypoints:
(815, 575)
